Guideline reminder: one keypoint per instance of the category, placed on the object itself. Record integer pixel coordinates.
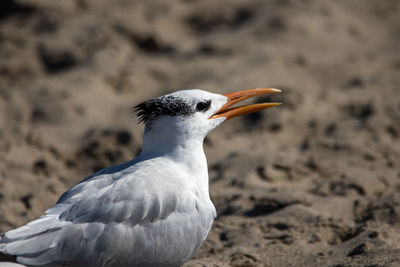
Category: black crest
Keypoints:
(163, 105)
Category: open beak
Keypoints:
(235, 97)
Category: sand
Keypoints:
(314, 182)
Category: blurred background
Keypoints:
(314, 182)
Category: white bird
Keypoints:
(154, 210)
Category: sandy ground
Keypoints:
(314, 182)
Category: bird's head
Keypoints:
(192, 114)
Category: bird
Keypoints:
(154, 210)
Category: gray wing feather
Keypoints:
(124, 216)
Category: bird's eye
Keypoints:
(203, 106)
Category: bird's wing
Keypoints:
(142, 193)
(104, 206)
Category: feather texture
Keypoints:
(136, 213)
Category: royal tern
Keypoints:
(154, 210)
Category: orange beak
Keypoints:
(236, 97)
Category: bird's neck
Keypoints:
(180, 146)
(187, 152)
